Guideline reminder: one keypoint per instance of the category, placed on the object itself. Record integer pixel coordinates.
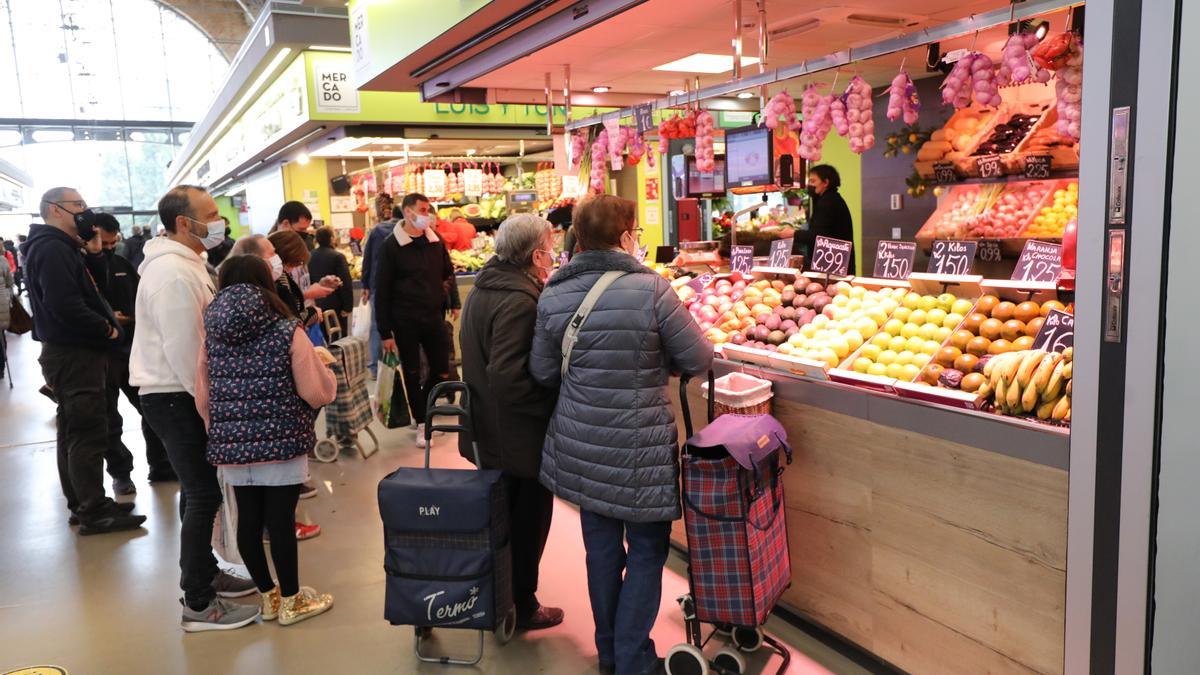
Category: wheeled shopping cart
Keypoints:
(738, 565)
(350, 412)
(446, 540)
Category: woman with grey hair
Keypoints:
(509, 410)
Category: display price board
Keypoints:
(781, 253)
(1057, 332)
(832, 256)
(472, 182)
(741, 259)
(701, 281)
(644, 116)
(952, 257)
(989, 251)
(1040, 261)
(1037, 166)
(944, 173)
(664, 255)
(894, 259)
(990, 166)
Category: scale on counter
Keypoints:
(522, 201)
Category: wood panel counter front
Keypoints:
(935, 555)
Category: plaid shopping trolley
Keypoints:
(733, 511)
(350, 412)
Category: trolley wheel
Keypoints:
(326, 451)
(505, 631)
(729, 661)
(686, 659)
(747, 639)
(724, 629)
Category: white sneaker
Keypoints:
(420, 435)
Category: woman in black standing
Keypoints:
(828, 215)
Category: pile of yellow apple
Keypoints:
(853, 316)
(912, 336)
(1053, 219)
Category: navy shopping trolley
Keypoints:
(446, 542)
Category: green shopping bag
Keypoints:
(392, 410)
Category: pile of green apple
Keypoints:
(912, 335)
(854, 316)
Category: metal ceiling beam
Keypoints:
(971, 24)
(558, 27)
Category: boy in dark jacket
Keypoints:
(77, 330)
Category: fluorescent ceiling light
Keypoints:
(345, 147)
(705, 63)
(677, 92)
(327, 48)
(53, 135)
(746, 94)
(600, 90)
(389, 153)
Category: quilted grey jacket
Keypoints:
(611, 444)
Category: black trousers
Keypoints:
(118, 457)
(530, 509)
(428, 335)
(273, 507)
(77, 376)
(174, 418)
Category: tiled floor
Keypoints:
(107, 604)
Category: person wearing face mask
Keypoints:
(77, 329)
(174, 291)
(118, 282)
(510, 410)
(611, 445)
(411, 286)
(296, 217)
(828, 215)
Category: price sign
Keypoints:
(1037, 166)
(832, 256)
(989, 251)
(781, 252)
(943, 173)
(894, 259)
(664, 255)
(356, 248)
(990, 166)
(644, 115)
(1040, 261)
(472, 182)
(701, 281)
(1057, 333)
(741, 259)
(952, 257)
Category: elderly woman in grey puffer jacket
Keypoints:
(611, 446)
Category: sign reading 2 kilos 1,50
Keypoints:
(894, 259)
(952, 257)
(832, 256)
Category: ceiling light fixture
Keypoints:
(302, 159)
(677, 92)
(1043, 28)
(600, 90)
(746, 94)
(712, 64)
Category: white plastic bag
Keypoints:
(224, 539)
(360, 322)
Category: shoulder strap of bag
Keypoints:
(581, 315)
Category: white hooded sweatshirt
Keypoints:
(174, 291)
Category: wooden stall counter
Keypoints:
(931, 537)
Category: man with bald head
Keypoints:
(77, 330)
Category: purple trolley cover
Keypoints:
(749, 439)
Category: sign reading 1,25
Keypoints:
(1040, 261)
(952, 257)
(832, 256)
(741, 259)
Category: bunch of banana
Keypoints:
(1031, 382)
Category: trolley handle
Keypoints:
(461, 412)
(687, 410)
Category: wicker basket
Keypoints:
(740, 394)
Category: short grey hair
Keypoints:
(248, 246)
(519, 236)
(51, 198)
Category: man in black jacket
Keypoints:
(77, 330)
(413, 281)
(328, 261)
(119, 287)
(133, 247)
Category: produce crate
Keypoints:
(987, 119)
(985, 196)
(1063, 158)
(1061, 184)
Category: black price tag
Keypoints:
(781, 253)
(952, 257)
(894, 259)
(1037, 166)
(990, 166)
(700, 282)
(943, 173)
(356, 248)
(1057, 333)
(741, 259)
(1040, 261)
(832, 256)
(664, 255)
(989, 251)
(644, 115)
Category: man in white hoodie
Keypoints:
(174, 291)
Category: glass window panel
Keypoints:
(10, 103)
(190, 51)
(140, 56)
(45, 80)
(148, 171)
(91, 53)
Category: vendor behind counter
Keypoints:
(828, 215)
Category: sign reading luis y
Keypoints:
(952, 257)
(894, 259)
(781, 253)
(334, 87)
(1057, 332)
(741, 259)
(1040, 261)
(832, 256)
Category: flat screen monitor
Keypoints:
(748, 159)
(706, 184)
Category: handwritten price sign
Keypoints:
(1040, 261)
(1057, 333)
(741, 259)
(832, 256)
(894, 259)
(1037, 166)
(952, 257)
(944, 173)
(700, 282)
(990, 166)
(781, 252)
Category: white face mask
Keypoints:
(276, 264)
(216, 233)
(420, 221)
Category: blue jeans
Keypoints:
(376, 341)
(625, 607)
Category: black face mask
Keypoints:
(108, 252)
(85, 222)
(812, 191)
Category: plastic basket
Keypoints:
(741, 394)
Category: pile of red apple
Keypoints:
(761, 314)
(1008, 215)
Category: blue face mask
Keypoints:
(420, 221)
